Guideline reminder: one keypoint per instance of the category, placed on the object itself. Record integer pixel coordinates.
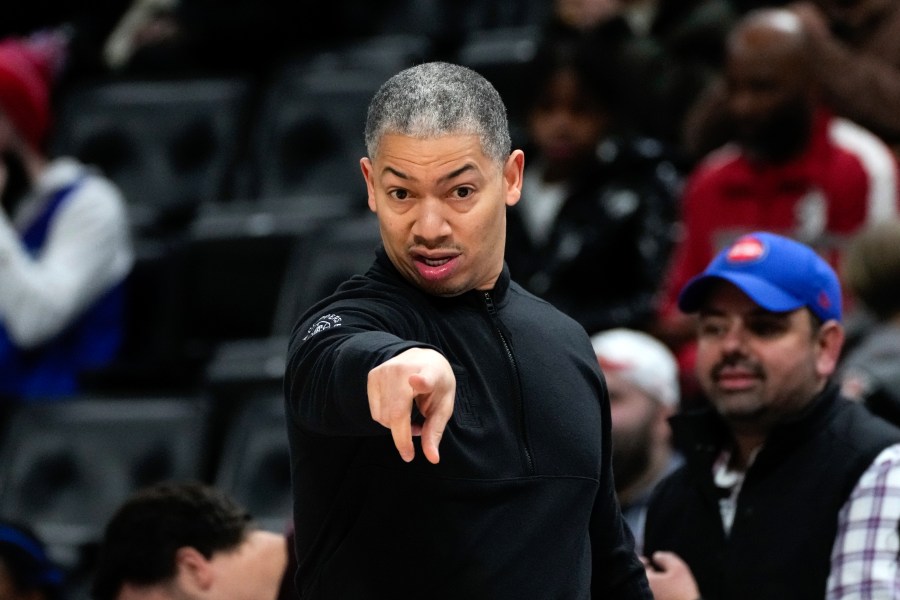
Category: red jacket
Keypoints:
(846, 178)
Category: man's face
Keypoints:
(758, 367)
(251, 571)
(769, 95)
(638, 427)
(441, 206)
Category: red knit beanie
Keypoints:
(27, 66)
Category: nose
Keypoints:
(734, 339)
(430, 224)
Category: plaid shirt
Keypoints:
(867, 547)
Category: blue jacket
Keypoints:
(52, 369)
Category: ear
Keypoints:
(193, 571)
(365, 164)
(830, 340)
(513, 171)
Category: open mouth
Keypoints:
(434, 262)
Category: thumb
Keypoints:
(420, 383)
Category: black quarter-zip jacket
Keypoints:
(522, 503)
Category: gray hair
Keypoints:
(435, 99)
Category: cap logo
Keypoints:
(746, 249)
(610, 365)
(823, 300)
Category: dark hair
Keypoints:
(26, 560)
(580, 56)
(141, 540)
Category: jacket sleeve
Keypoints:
(329, 358)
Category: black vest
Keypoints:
(786, 519)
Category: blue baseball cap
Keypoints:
(778, 273)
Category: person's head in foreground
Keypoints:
(187, 541)
(440, 174)
(26, 570)
(769, 330)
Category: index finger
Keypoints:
(401, 431)
(433, 430)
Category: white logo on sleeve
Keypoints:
(322, 323)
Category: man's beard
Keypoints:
(784, 135)
(17, 182)
(631, 454)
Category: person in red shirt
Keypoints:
(792, 168)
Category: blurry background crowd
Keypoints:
(233, 130)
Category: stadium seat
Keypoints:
(308, 134)
(66, 466)
(321, 261)
(169, 144)
(255, 465)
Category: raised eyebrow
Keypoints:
(395, 172)
(457, 173)
(447, 177)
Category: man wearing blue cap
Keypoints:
(789, 490)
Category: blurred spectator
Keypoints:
(187, 540)
(664, 52)
(793, 169)
(26, 571)
(642, 379)
(856, 45)
(597, 202)
(214, 37)
(870, 372)
(65, 247)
